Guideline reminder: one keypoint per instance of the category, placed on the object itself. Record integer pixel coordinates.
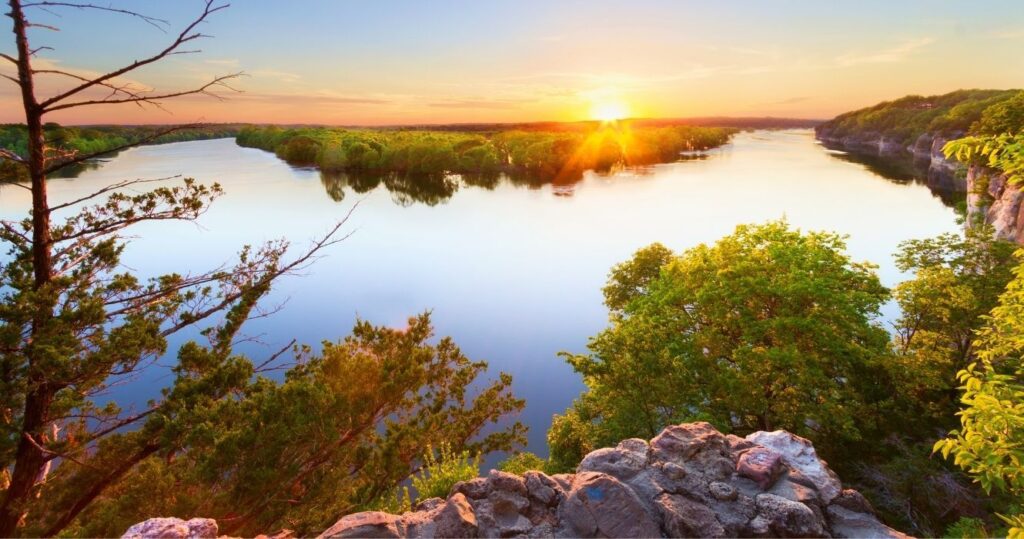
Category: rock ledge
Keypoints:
(689, 481)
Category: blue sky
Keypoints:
(382, 61)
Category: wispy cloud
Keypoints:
(313, 98)
(895, 54)
(789, 101)
(1010, 33)
(479, 103)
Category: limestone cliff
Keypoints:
(689, 481)
(989, 198)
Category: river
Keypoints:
(512, 272)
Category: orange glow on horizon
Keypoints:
(609, 111)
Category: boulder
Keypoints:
(786, 518)
(601, 506)
(456, 518)
(683, 517)
(173, 528)
(370, 524)
(798, 453)
(761, 465)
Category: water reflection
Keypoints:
(407, 189)
(907, 170)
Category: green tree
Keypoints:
(442, 469)
(339, 434)
(957, 280)
(73, 323)
(989, 444)
(769, 328)
(1006, 116)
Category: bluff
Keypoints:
(689, 481)
(914, 130)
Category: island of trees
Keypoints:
(553, 155)
(768, 328)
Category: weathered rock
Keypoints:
(690, 481)
(722, 491)
(371, 524)
(798, 453)
(787, 518)
(846, 523)
(173, 528)
(621, 462)
(456, 518)
(678, 443)
(542, 488)
(854, 501)
(761, 465)
(600, 505)
(428, 504)
(683, 517)
(505, 481)
(474, 488)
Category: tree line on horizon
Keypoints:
(702, 334)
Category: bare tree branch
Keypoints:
(159, 24)
(220, 81)
(125, 89)
(185, 36)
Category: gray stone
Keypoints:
(619, 463)
(505, 481)
(854, 501)
(428, 504)
(798, 453)
(678, 443)
(683, 517)
(722, 491)
(600, 504)
(504, 501)
(541, 487)
(787, 518)
(847, 523)
(456, 518)
(476, 488)
(173, 528)
(371, 524)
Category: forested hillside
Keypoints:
(907, 118)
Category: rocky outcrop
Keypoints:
(991, 199)
(173, 528)
(689, 481)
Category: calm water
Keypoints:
(513, 272)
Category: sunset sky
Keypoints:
(388, 62)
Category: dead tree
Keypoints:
(66, 263)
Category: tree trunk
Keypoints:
(29, 459)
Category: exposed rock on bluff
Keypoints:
(991, 199)
(689, 481)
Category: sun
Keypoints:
(609, 111)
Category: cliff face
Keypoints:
(689, 481)
(989, 198)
